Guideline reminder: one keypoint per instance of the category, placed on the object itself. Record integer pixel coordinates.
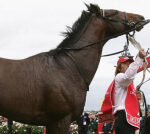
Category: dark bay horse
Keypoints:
(50, 88)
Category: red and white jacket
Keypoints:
(131, 106)
(121, 95)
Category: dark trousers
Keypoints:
(121, 125)
(82, 130)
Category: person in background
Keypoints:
(83, 123)
(92, 127)
(145, 119)
(148, 121)
(142, 110)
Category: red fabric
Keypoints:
(114, 132)
(131, 106)
(44, 131)
(100, 127)
(148, 60)
(106, 109)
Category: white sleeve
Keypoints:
(124, 79)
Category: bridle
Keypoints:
(124, 22)
(131, 27)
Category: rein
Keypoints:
(133, 26)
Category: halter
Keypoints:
(132, 27)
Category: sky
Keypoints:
(33, 26)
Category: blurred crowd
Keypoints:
(87, 124)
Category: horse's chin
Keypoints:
(139, 29)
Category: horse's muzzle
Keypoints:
(139, 25)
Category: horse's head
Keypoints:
(116, 21)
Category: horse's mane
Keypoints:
(72, 32)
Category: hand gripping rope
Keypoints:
(138, 46)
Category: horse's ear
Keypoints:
(88, 7)
(94, 8)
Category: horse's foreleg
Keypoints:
(60, 127)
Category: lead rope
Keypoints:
(138, 46)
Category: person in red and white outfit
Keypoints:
(120, 101)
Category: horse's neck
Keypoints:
(89, 58)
